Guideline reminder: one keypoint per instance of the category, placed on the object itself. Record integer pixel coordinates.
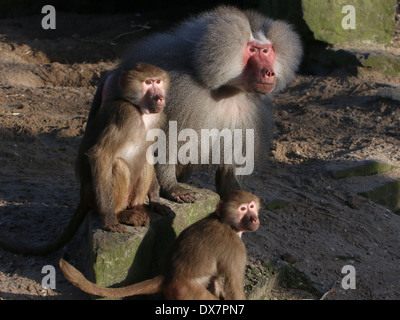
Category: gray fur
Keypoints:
(203, 54)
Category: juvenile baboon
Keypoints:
(205, 253)
(113, 170)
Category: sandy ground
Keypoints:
(46, 87)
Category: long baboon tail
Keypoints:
(74, 276)
(73, 225)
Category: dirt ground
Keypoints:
(48, 79)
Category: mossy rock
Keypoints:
(374, 22)
(269, 281)
(367, 169)
(276, 204)
(388, 195)
(260, 278)
(384, 63)
(119, 259)
(114, 253)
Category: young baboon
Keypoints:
(113, 170)
(205, 253)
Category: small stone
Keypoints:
(367, 169)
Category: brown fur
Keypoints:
(114, 173)
(203, 254)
